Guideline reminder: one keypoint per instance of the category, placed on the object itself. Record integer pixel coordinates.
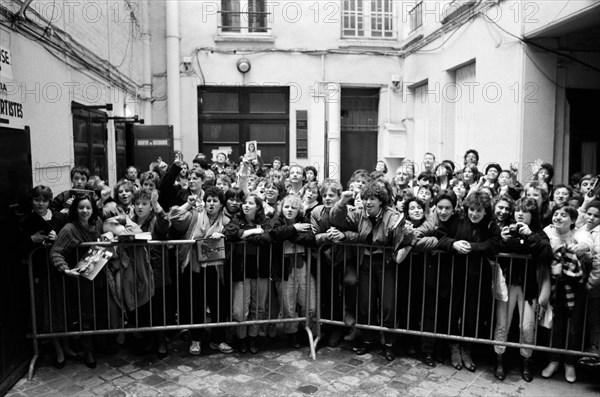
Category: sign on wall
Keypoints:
(6, 70)
(11, 109)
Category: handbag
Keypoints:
(210, 251)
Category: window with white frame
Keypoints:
(244, 17)
(368, 19)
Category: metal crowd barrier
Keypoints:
(442, 296)
(63, 306)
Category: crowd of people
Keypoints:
(448, 221)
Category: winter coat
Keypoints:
(255, 254)
(280, 231)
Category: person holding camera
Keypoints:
(523, 235)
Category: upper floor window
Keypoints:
(416, 16)
(244, 16)
(368, 19)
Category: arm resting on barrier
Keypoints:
(65, 243)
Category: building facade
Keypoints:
(335, 84)
(340, 85)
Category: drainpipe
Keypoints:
(21, 12)
(173, 83)
(147, 69)
(334, 145)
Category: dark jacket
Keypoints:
(280, 230)
(484, 238)
(255, 254)
(171, 194)
(523, 271)
(158, 225)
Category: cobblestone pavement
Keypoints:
(280, 370)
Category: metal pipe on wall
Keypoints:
(173, 83)
(147, 67)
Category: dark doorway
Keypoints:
(90, 138)
(584, 136)
(15, 184)
(231, 116)
(359, 113)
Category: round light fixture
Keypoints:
(243, 65)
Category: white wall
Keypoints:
(295, 26)
(47, 85)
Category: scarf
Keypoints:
(203, 230)
(569, 269)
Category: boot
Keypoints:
(499, 371)
(467, 361)
(253, 345)
(526, 371)
(455, 356)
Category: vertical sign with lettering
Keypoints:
(301, 134)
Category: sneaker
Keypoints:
(550, 369)
(570, 373)
(353, 334)
(222, 347)
(195, 348)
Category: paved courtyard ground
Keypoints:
(282, 371)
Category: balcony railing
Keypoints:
(416, 17)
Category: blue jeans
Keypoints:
(250, 303)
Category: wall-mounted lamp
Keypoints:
(397, 83)
(243, 65)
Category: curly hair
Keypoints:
(478, 200)
(214, 191)
(128, 185)
(413, 200)
(375, 189)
